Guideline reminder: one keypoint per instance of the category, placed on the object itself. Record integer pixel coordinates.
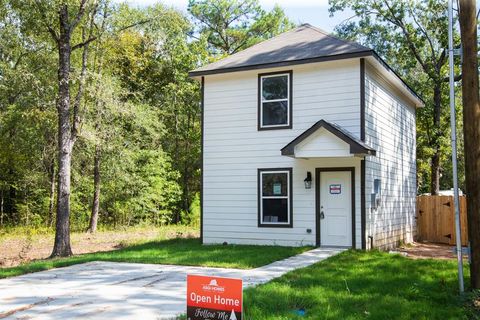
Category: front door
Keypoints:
(334, 207)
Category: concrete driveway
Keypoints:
(110, 290)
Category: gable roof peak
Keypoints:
(302, 44)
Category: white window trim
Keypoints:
(275, 197)
(262, 126)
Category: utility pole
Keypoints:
(453, 126)
(471, 128)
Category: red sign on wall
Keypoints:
(214, 298)
(335, 189)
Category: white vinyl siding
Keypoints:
(235, 149)
(390, 130)
(322, 143)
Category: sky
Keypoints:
(314, 12)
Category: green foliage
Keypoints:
(158, 76)
(233, 25)
(139, 183)
(27, 119)
(192, 216)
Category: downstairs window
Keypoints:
(275, 197)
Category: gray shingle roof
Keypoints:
(305, 43)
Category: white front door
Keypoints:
(335, 208)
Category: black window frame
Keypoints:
(262, 224)
(260, 126)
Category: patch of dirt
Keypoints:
(428, 250)
(19, 249)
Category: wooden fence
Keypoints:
(436, 219)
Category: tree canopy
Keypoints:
(135, 112)
(412, 37)
(233, 25)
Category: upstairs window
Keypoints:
(275, 197)
(275, 100)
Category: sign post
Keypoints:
(453, 130)
(214, 298)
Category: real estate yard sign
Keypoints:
(214, 298)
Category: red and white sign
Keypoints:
(335, 189)
(214, 298)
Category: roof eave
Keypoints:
(419, 102)
(359, 54)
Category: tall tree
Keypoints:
(233, 25)
(97, 106)
(412, 36)
(471, 129)
(62, 25)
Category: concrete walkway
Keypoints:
(110, 290)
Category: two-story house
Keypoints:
(307, 139)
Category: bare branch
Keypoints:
(80, 13)
(442, 59)
(84, 43)
(93, 38)
(353, 17)
(456, 78)
(411, 46)
(78, 97)
(83, 73)
(423, 30)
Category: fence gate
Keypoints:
(436, 219)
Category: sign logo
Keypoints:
(214, 298)
(335, 189)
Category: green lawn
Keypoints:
(362, 285)
(175, 251)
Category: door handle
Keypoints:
(322, 215)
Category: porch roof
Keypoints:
(344, 143)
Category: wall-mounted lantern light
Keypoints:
(308, 181)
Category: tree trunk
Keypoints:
(435, 160)
(12, 205)
(176, 153)
(186, 170)
(51, 205)
(96, 191)
(1, 207)
(62, 247)
(471, 129)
